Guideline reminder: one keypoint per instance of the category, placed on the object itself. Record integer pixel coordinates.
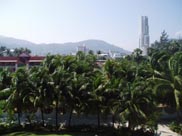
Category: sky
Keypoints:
(114, 21)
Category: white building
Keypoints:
(144, 36)
(82, 48)
(103, 56)
(115, 55)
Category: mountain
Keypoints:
(58, 48)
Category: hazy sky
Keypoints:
(114, 21)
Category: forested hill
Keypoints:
(59, 48)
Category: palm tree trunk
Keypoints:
(179, 117)
(113, 120)
(57, 114)
(70, 117)
(130, 124)
(19, 114)
(29, 119)
(19, 123)
(42, 116)
(98, 116)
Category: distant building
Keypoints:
(22, 60)
(103, 56)
(115, 54)
(82, 48)
(144, 41)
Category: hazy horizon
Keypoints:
(116, 22)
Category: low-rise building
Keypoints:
(22, 60)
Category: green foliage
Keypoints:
(5, 93)
(4, 51)
(2, 107)
(126, 89)
(176, 127)
(169, 46)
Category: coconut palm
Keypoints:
(19, 87)
(60, 81)
(79, 85)
(113, 80)
(159, 62)
(42, 90)
(137, 100)
(169, 83)
(95, 100)
(61, 75)
(5, 83)
(112, 100)
(5, 78)
(135, 93)
(76, 94)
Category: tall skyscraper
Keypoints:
(144, 37)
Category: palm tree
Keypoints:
(135, 93)
(112, 99)
(5, 83)
(113, 80)
(137, 55)
(5, 78)
(169, 83)
(159, 62)
(42, 90)
(138, 103)
(78, 91)
(20, 87)
(61, 68)
(75, 94)
(95, 101)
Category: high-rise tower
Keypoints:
(144, 37)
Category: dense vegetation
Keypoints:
(129, 90)
(4, 51)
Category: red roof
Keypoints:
(37, 57)
(8, 58)
(16, 58)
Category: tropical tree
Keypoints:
(18, 51)
(79, 86)
(41, 94)
(96, 98)
(139, 103)
(169, 83)
(76, 94)
(60, 69)
(136, 93)
(112, 99)
(5, 83)
(20, 87)
(137, 55)
(2, 50)
(113, 80)
(60, 81)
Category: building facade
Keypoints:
(144, 41)
(23, 60)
